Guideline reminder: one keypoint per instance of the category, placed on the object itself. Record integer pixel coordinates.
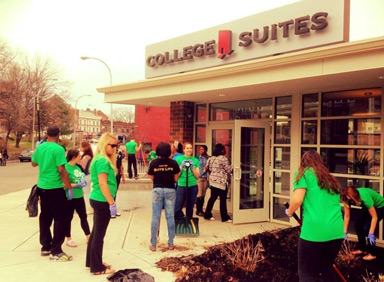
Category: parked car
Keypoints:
(26, 155)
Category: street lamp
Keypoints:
(110, 80)
(77, 119)
(36, 104)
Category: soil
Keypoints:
(276, 261)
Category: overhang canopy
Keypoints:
(343, 66)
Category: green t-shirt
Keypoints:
(131, 147)
(370, 198)
(152, 156)
(75, 174)
(49, 156)
(182, 181)
(101, 165)
(322, 218)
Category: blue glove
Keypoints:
(183, 164)
(372, 239)
(81, 184)
(113, 209)
(70, 194)
(286, 212)
(190, 164)
(345, 235)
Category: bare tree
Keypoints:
(124, 114)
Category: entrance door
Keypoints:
(251, 171)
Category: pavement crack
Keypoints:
(33, 234)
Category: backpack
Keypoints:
(32, 202)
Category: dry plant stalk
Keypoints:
(243, 254)
(371, 278)
(346, 251)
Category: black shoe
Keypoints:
(200, 213)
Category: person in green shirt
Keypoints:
(187, 182)
(131, 150)
(75, 195)
(151, 156)
(104, 187)
(322, 228)
(372, 212)
(50, 158)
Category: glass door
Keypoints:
(251, 171)
(222, 133)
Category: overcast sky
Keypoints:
(117, 32)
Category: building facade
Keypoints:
(270, 93)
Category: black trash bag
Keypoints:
(32, 202)
(130, 275)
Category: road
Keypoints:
(17, 176)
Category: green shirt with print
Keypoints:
(49, 156)
(182, 181)
(322, 218)
(75, 174)
(131, 147)
(101, 165)
(370, 198)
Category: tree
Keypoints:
(58, 112)
(124, 114)
(26, 84)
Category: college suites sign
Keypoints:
(298, 26)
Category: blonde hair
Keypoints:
(105, 139)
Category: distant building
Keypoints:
(89, 124)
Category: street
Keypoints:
(17, 176)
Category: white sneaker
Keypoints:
(228, 221)
(71, 243)
(212, 218)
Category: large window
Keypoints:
(345, 128)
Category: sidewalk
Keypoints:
(126, 243)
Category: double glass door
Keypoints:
(247, 148)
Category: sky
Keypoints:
(117, 31)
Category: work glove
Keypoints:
(81, 184)
(345, 235)
(70, 194)
(113, 210)
(286, 212)
(372, 239)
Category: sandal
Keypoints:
(108, 266)
(357, 252)
(105, 271)
(171, 248)
(153, 249)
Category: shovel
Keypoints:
(295, 216)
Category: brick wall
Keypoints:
(182, 121)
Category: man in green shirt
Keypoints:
(50, 158)
(131, 149)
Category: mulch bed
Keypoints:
(277, 261)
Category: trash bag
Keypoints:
(130, 275)
(32, 202)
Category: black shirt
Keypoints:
(163, 171)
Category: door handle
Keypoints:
(237, 173)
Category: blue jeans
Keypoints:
(163, 197)
(182, 194)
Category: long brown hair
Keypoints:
(352, 193)
(87, 149)
(312, 159)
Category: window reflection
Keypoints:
(310, 105)
(351, 131)
(200, 132)
(278, 209)
(201, 113)
(282, 157)
(251, 109)
(283, 107)
(283, 132)
(361, 102)
(282, 183)
(352, 161)
(309, 134)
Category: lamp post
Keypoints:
(76, 119)
(110, 81)
(36, 106)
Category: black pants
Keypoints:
(101, 218)
(77, 205)
(362, 225)
(53, 208)
(316, 260)
(132, 162)
(215, 193)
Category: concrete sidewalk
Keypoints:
(126, 243)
